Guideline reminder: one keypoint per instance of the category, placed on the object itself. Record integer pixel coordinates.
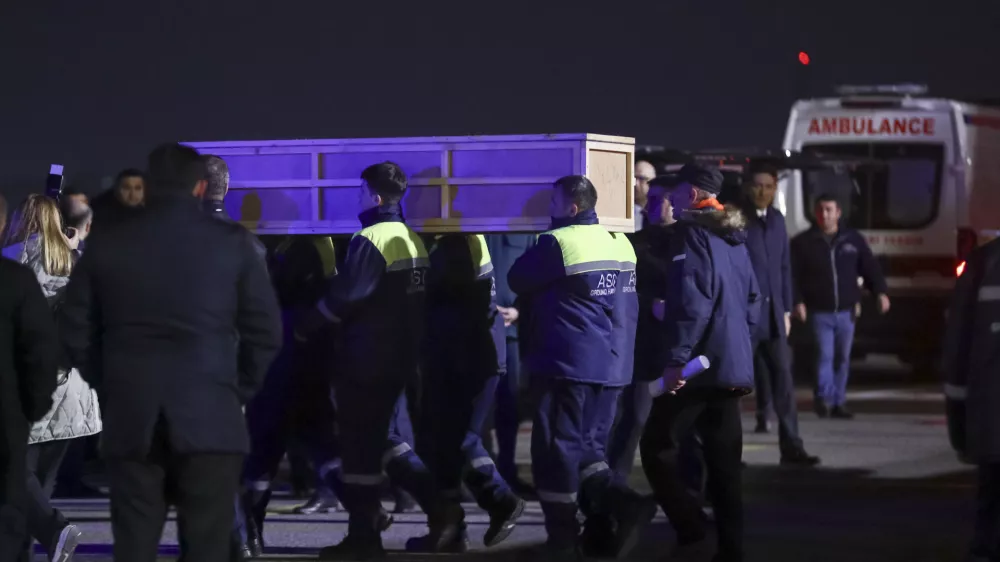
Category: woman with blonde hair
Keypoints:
(36, 239)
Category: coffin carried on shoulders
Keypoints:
(456, 184)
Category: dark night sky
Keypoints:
(95, 89)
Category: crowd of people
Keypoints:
(202, 353)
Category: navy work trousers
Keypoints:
(294, 402)
(572, 421)
(458, 403)
(405, 468)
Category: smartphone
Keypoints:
(54, 183)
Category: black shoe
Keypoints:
(256, 546)
(822, 410)
(317, 504)
(633, 516)
(502, 521)
(446, 526)
(762, 427)
(427, 544)
(404, 502)
(597, 541)
(384, 520)
(841, 413)
(799, 458)
(352, 548)
(65, 544)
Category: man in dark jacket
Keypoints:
(972, 390)
(712, 305)
(826, 263)
(569, 281)
(767, 244)
(179, 314)
(504, 251)
(29, 347)
(123, 200)
(652, 250)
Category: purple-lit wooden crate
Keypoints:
(457, 184)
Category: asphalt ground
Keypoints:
(889, 489)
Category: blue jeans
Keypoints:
(834, 335)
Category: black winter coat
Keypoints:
(173, 314)
(28, 352)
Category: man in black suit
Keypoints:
(28, 352)
(767, 244)
(188, 325)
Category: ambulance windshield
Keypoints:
(898, 189)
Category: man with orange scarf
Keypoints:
(711, 307)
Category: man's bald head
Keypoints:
(218, 177)
(644, 173)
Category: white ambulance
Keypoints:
(928, 194)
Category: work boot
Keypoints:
(319, 503)
(841, 413)
(428, 544)
(446, 526)
(503, 519)
(762, 427)
(354, 547)
(633, 514)
(598, 538)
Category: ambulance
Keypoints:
(926, 192)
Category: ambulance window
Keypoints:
(910, 191)
(898, 190)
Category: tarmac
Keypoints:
(889, 489)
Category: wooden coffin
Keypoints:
(456, 184)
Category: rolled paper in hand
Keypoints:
(694, 367)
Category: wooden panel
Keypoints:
(457, 184)
(607, 170)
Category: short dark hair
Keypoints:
(175, 167)
(826, 198)
(128, 173)
(72, 190)
(387, 180)
(218, 177)
(761, 167)
(579, 190)
(78, 219)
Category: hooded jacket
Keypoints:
(712, 301)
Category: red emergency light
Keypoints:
(960, 269)
(804, 58)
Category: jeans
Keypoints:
(834, 335)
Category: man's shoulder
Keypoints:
(15, 277)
